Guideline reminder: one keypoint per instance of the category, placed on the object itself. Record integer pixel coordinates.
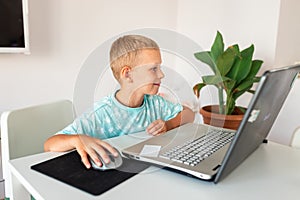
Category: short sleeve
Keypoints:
(84, 124)
(168, 109)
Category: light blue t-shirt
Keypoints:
(109, 118)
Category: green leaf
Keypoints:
(255, 66)
(230, 104)
(217, 47)
(205, 57)
(242, 88)
(244, 85)
(242, 66)
(251, 91)
(229, 86)
(214, 79)
(226, 59)
(256, 79)
(243, 110)
(238, 94)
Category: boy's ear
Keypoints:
(125, 72)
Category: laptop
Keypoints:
(211, 153)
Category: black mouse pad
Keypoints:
(69, 169)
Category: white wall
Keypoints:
(239, 21)
(64, 32)
(288, 40)
(288, 52)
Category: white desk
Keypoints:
(271, 172)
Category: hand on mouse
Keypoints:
(157, 127)
(89, 146)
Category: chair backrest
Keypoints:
(295, 141)
(24, 131)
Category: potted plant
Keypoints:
(234, 74)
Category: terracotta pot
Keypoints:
(212, 117)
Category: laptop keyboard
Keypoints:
(194, 151)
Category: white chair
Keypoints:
(24, 131)
(295, 141)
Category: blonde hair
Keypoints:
(124, 51)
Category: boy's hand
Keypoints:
(157, 127)
(89, 146)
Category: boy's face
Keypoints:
(146, 75)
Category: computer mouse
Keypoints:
(114, 163)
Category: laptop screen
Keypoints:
(262, 111)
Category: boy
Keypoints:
(135, 61)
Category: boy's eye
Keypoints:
(154, 69)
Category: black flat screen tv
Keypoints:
(14, 34)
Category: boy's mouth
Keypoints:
(157, 84)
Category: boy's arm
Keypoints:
(85, 145)
(160, 126)
(61, 142)
(185, 116)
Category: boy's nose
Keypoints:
(161, 74)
